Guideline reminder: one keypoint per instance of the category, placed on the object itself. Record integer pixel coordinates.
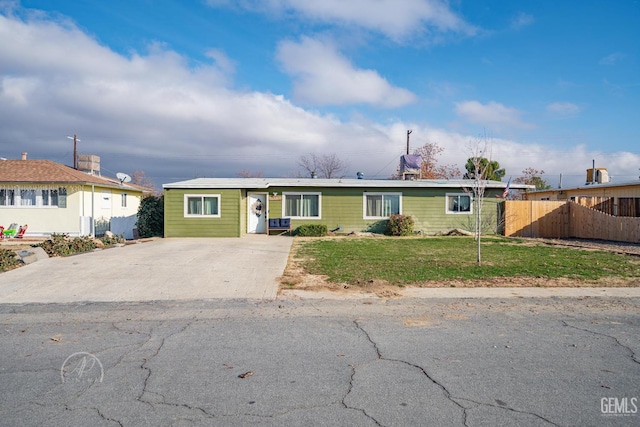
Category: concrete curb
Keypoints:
(471, 293)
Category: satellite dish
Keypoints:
(123, 177)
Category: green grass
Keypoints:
(403, 261)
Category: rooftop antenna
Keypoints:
(123, 177)
(408, 133)
(75, 150)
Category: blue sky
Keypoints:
(181, 89)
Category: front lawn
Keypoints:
(404, 261)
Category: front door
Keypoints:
(257, 211)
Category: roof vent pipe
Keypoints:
(360, 175)
(24, 155)
(314, 175)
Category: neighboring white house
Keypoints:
(53, 198)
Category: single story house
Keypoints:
(615, 198)
(233, 207)
(53, 198)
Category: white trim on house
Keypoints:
(34, 197)
(202, 197)
(264, 183)
(301, 193)
(458, 212)
(383, 194)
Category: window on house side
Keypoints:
(50, 197)
(382, 205)
(27, 198)
(7, 198)
(123, 200)
(202, 205)
(301, 205)
(458, 203)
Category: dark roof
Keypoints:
(49, 172)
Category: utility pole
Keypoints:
(75, 150)
(408, 133)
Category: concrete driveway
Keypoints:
(160, 269)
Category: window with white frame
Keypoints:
(123, 200)
(28, 197)
(53, 196)
(458, 203)
(301, 205)
(7, 197)
(202, 205)
(382, 205)
(33, 198)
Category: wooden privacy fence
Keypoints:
(546, 219)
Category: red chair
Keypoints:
(1, 232)
(21, 231)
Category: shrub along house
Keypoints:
(233, 207)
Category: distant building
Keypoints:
(614, 198)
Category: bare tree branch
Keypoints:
(323, 166)
(244, 173)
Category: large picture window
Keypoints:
(382, 205)
(458, 203)
(301, 205)
(202, 205)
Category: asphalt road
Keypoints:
(292, 362)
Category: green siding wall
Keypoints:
(176, 225)
(341, 207)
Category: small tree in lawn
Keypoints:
(479, 169)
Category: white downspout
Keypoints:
(93, 223)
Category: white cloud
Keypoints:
(397, 19)
(492, 115)
(564, 108)
(322, 76)
(153, 112)
(612, 59)
(522, 20)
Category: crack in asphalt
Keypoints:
(629, 349)
(344, 404)
(104, 417)
(144, 391)
(446, 392)
(91, 408)
(508, 408)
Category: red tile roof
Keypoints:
(46, 171)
